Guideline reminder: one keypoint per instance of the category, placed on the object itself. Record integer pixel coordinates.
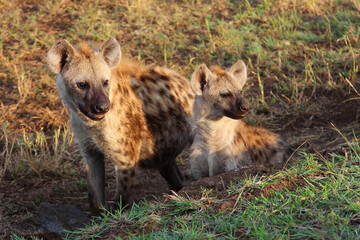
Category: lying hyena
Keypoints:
(133, 114)
(223, 142)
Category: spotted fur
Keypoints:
(223, 142)
(124, 112)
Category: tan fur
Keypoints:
(217, 70)
(85, 49)
(226, 143)
(144, 116)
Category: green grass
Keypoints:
(317, 198)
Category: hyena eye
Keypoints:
(225, 94)
(82, 85)
(106, 82)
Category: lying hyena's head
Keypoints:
(222, 90)
(84, 73)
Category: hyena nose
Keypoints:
(244, 108)
(101, 107)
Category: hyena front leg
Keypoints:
(95, 168)
(126, 163)
(172, 175)
(126, 178)
(96, 180)
(199, 166)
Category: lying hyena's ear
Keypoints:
(200, 78)
(111, 52)
(238, 70)
(58, 55)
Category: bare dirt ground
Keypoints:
(20, 198)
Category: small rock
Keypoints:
(227, 205)
(211, 183)
(58, 217)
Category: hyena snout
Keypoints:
(242, 106)
(96, 107)
(238, 109)
(101, 106)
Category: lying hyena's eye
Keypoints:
(106, 82)
(225, 94)
(82, 85)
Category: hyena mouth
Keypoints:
(92, 116)
(235, 115)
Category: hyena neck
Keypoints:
(212, 125)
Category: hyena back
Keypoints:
(222, 140)
(122, 110)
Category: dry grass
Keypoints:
(295, 50)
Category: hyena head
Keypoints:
(222, 90)
(84, 73)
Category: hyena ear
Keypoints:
(200, 78)
(111, 52)
(58, 55)
(238, 70)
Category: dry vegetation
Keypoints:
(303, 59)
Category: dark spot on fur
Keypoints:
(126, 178)
(121, 163)
(151, 80)
(125, 171)
(273, 151)
(126, 92)
(162, 92)
(238, 138)
(132, 173)
(165, 78)
(261, 155)
(180, 87)
(172, 112)
(136, 115)
(171, 97)
(149, 99)
(118, 151)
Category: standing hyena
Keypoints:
(124, 111)
(223, 142)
